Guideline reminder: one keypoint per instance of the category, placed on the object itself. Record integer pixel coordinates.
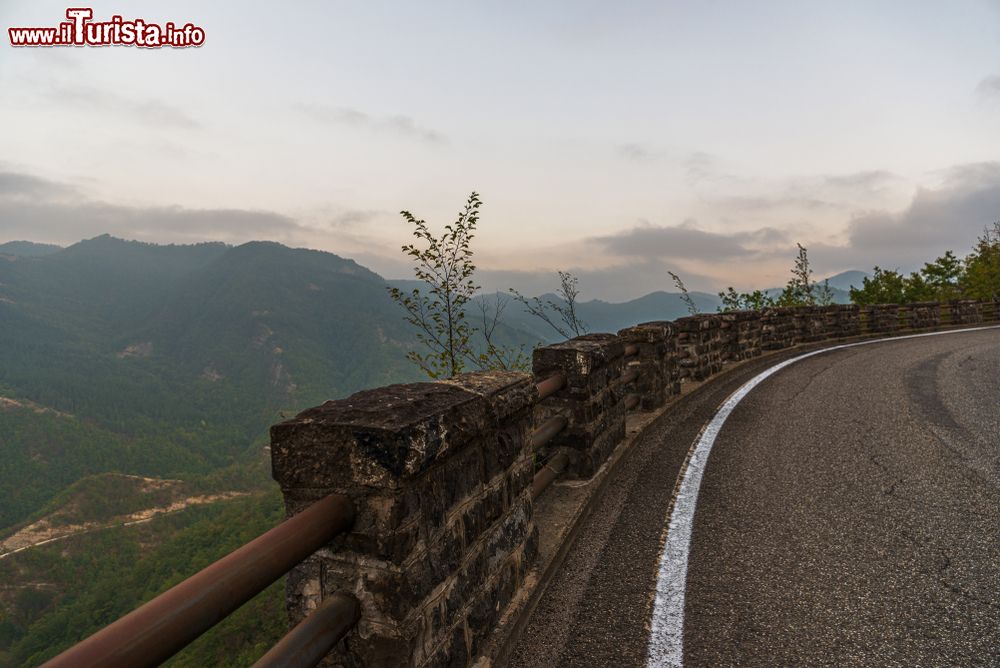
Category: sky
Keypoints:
(615, 140)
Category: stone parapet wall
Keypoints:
(881, 319)
(841, 320)
(991, 310)
(924, 315)
(778, 328)
(592, 399)
(700, 345)
(656, 361)
(966, 312)
(742, 334)
(439, 474)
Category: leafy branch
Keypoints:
(438, 314)
(563, 318)
(685, 295)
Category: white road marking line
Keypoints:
(666, 638)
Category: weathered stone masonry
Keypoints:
(440, 473)
(742, 334)
(699, 341)
(592, 399)
(656, 360)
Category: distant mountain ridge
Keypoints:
(28, 249)
(602, 316)
(134, 376)
(126, 361)
(174, 359)
(846, 280)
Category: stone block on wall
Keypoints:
(741, 335)
(656, 362)
(925, 315)
(439, 474)
(778, 328)
(699, 342)
(882, 318)
(592, 399)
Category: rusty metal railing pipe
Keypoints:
(552, 470)
(550, 386)
(157, 630)
(547, 430)
(314, 637)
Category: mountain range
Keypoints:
(138, 378)
(176, 359)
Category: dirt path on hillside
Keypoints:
(43, 532)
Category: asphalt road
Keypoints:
(849, 515)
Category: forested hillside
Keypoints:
(137, 384)
(173, 360)
(167, 363)
(28, 248)
(56, 594)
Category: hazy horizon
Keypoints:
(617, 142)
(529, 283)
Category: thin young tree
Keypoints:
(439, 312)
(800, 289)
(824, 293)
(495, 355)
(562, 317)
(684, 294)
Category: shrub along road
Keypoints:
(848, 515)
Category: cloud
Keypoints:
(63, 223)
(652, 241)
(949, 217)
(353, 217)
(971, 177)
(616, 283)
(638, 152)
(764, 236)
(147, 110)
(406, 125)
(42, 210)
(701, 166)
(989, 87)
(865, 180)
(615, 266)
(18, 186)
(681, 242)
(829, 192)
(63, 59)
(936, 219)
(399, 124)
(759, 203)
(824, 200)
(159, 113)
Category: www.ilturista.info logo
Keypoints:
(80, 30)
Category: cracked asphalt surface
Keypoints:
(849, 516)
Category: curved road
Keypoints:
(849, 515)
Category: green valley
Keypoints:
(137, 385)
